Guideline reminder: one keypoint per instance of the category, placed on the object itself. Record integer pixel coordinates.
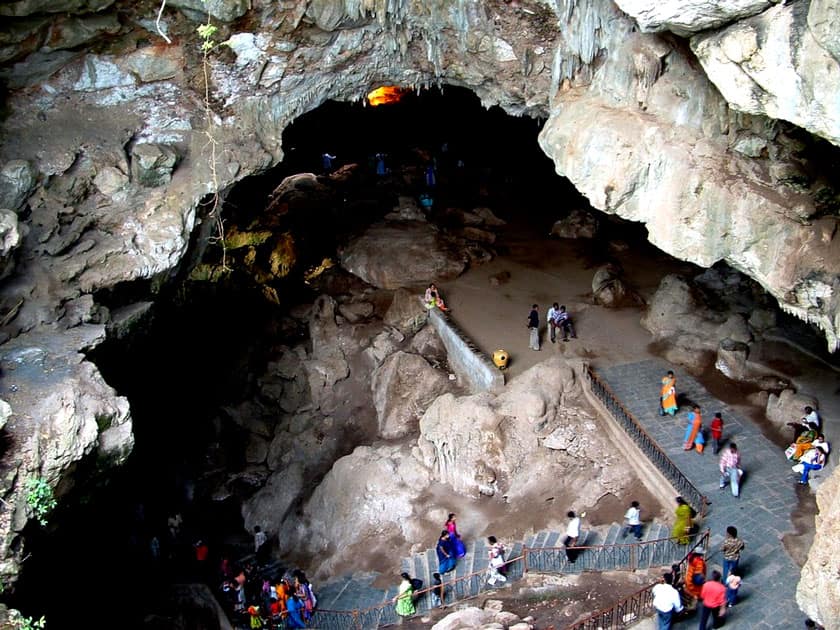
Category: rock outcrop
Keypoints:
(109, 152)
(818, 592)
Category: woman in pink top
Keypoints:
(455, 537)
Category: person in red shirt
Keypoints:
(717, 431)
(713, 600)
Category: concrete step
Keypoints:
(613, 535)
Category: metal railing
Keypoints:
(647, 444)
(635, 606)
(624, 556)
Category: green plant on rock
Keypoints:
(40, 497)
(18, 621)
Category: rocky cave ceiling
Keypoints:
(700, 120)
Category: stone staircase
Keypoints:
(357, 591)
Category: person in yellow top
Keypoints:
(668, 395)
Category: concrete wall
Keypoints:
(468, 362)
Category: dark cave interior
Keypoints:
(204, 343)
(198, 349)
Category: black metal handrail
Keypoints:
(647, 444)
(635, 606)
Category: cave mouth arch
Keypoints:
(206, 345)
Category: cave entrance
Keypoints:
(197, 369)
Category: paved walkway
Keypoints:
(761, 514)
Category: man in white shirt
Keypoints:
(550, 317)
(572, 535)
(666, 601)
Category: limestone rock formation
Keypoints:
(788, 406)
(678, 312)
(773, 64)
(403, 386)
(400, 254)
(631, 120)
(818, 592)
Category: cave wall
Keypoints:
(109, 144)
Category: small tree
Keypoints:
(40, 497)
(20, 622)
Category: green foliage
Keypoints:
(40, 497)
(26, 623)
(206, 33)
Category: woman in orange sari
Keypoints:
(668, 395)
(695, 421)
(695, 575)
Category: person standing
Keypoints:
(572, 536)
(730, 469)
(695, 423)
(682, 524)
(733, 583)
(260, 546)
(405, 598)
(445, 553)
(732, 547)
(632, 521)
(668, 395)
(327, 162)
(550, 319)
(666, 601)
(534, 328)
(712, 601)
(717, 431)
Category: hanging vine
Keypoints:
(207, 33)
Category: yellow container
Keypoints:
(500, 359)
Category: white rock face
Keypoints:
(818, 592)
(773, 64)
(685, 17)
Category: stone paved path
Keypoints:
(761, 514)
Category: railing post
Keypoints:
(633, 564)
(524, 559)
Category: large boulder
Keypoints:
(402, 254)
(403, 387)
(578, 224)
(788, 406)
(367, 497)
(685, 17)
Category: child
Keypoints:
(632, 521)
(700, 441)
(717, 432)
(733, 583)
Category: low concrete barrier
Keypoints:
(467, 361)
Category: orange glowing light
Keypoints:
(384, 95)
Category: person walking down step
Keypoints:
(572, 536)
(632, 521)
(730, 469)
(534, 328)
(496, 561)
(455, 537)
(445, 553)
(405, 598)
(682, 524)
(668, 395)
(666, 601)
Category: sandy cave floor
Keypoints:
(544, 269)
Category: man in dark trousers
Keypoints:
(534, 328)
